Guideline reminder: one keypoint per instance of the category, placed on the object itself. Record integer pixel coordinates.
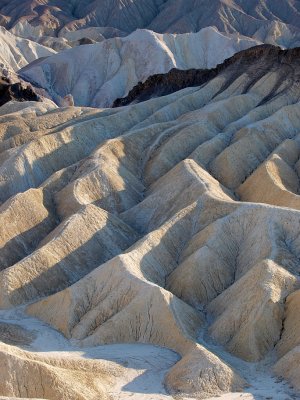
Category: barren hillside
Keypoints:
(172, 222)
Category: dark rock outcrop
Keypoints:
(256, 62)
(85, 40)
(18, 91)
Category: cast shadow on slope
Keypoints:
(152, 313)
(66, 255)
(142, 267)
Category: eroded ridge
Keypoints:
(179, 214)
(30, 375)
(265, 19)
(254, 63)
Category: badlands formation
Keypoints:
(267, 19)
(221, 28)
(149, 250)
(172, 222)
(128, 61)
(17, 52)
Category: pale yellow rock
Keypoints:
(31, 375)
(185, 184)
(254, 144)
(127, 228)
(288, 367)
(290, 338)
(69, 252)
(275, 181)
(232, 243)
(22, 229)
(249, 326)
(94, 312)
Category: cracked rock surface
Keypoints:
(157, 223)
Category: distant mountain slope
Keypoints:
(16, 52)
(53, 17)
(98, 74)
(243, 16)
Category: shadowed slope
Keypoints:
(29, 375)
(92, 82)
(254, 62)
(149, 232)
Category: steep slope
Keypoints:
(29, 375)
(278, 33)
(146, 221)
(92, 82)
(255, 62)
(289, 346)
(16, 52)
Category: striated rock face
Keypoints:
(255, 62)
(16, 335)
(161, 234)
(31, 375)
(18, 91)
(264, 18)
(162, 222)
(92, 82)
(16, 52)
(288, 348)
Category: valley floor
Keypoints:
(146, 365)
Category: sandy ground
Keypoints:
(146, 365)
